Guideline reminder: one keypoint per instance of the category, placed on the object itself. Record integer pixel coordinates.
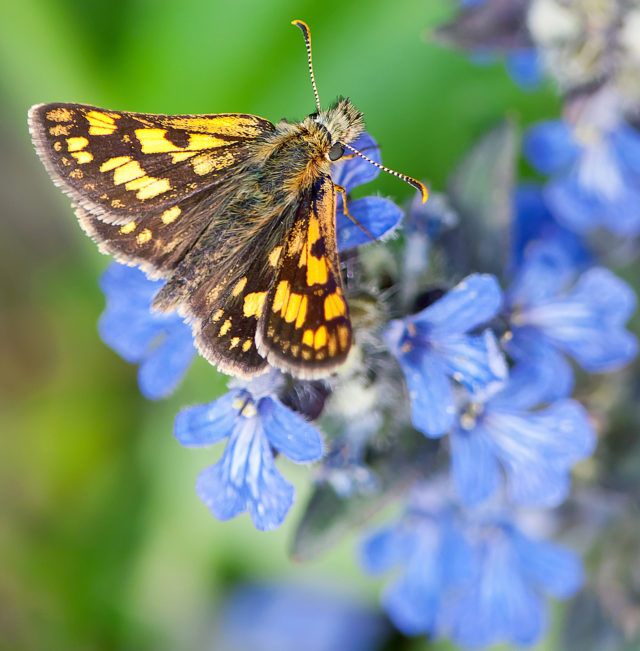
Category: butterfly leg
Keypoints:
(341, 190)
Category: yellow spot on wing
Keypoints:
(170, 215)
(246, 345)
(75, 144)
(293, 306)
(302, 312)
(204, 141)
(239, 286)
(100, 124)
(343, 336)
(307, 338)
(281, 296)
(226, 326)
(234, 342)
(320, 339)
(60, 130)
(82, 156)
(218, 315)
(228, 125)
(253, 303)
(127, 172)
(207, 162)
(334, 306)
(148, 187)
(129, 227)
(316, 270)
(112, 163)
(152, 141)
(274, 256)
(143, 236)
(314, 229)
(333, 345)
(59, 115)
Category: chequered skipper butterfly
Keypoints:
(237, 214)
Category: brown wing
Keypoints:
(118, 165)
(305, 327)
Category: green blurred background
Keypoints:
(103, 542)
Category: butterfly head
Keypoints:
(343, 123)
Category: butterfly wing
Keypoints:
(119, 165)
(305, 328)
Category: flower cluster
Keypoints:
(468, 382)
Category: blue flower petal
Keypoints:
(289, 433)
(550, 146)
(537, 449)
(499, 606)
(207, 424)
(165, 367)
(555, 569)
(610, 296)
(432, 407)
(470, 303)
(525, 68)
(582, 208)
(541, 375)
(412, 603)
(547, 270)
(379, 216)
(588, 322)
(129, 286)
(351, 172)
(474, 466)
(626, 142)
(384, 549)
(246, 478)
(474, 361)
(222, 499)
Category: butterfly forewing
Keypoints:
(117, 164)
(305, 327)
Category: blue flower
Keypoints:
(596, 174)
(550, 311)
(534, 449)
(504, 598)
(279, 617)
(533, 221)
(474, 578)
(433, 346)
(378, 215)
(161, 343)
(254, 421)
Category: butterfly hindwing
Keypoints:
(116, 165)
(226, 306)
(305, 327)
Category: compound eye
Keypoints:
(336, 151)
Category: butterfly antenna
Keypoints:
(416, 184)
(307, 41)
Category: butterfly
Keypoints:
(236, 213)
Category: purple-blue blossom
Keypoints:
(162, 344)
(474, 578)
(255, 423)
(595, 174)
(532, 449)
(289, 617)
(552, 310)
(434, 349)
(378, 215)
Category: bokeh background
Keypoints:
(103, 542)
